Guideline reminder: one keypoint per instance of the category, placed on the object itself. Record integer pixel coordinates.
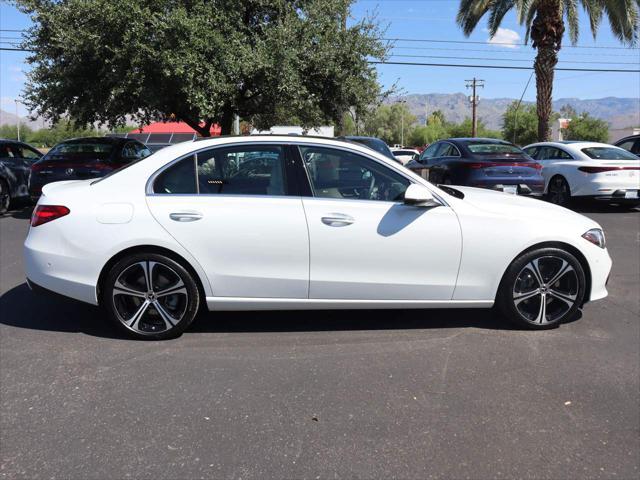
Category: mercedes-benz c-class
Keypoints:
(281, 222)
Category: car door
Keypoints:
(365, 243)
(20, 165)
(235, 209)
(554, 162)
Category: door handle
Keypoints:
(337, 220)
(185, 216)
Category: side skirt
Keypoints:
(246, 303)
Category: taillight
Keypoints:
(46, 213)
(605, 169)
(476, 165)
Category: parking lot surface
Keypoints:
(407, 394)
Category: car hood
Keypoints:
(508, 205)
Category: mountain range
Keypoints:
(618, 112)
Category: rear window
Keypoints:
(93, 149)
(608, 153)
(490, 148)
(404, 152)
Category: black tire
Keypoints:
(5, 196)
(559, 192)
(172, 302)
(518, 301)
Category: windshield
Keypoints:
(490, 148)
(101, 150)
(375, 144)
(608, 153)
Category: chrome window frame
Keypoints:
(152, 178)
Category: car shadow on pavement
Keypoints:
(593, 207)
(22, 308)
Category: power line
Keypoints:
(504, 67)
(472, 42)
(513, 52)
(511, 59)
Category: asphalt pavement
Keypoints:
(373, 394)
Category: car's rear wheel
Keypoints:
(150, 296)
(542, 288)
(5, 196)
(558, 191)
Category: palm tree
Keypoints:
(545, 24)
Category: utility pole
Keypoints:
(402, 102)
(17, 119)
(473, 84)
(426, 112)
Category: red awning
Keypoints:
(174, 127)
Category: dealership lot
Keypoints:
(409, 394)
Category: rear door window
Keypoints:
(246, 170)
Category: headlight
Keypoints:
(595, 236)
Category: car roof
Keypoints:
(111, 140)
(571, 145)
(628, 137)
(475, 139)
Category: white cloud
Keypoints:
(505, 38)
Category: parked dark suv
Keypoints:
(16, 159)
(83, 158)
(481, 162)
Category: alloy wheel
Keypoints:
(545, 289)
(149, 297)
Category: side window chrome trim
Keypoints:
(152, 178)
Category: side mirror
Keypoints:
(419, 196)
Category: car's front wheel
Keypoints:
(542, 288)
(150, 296)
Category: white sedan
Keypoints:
(405, 155)
(275, 222)
(587, 170)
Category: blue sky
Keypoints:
(431, 19)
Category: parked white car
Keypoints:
(405, 155)
(281, 222)
(587, 170)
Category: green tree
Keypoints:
(426, 134)
(200, 61)
(10, 132)
(587, 128)
(388, 122)
(544, 21)
(464, 129)
(62, 130)
(520, 124)
(437, 116)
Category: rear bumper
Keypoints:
(621, 195)
(58, 273)
(523, 188)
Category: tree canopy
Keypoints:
(520, 124)
(587, 128)
(199, 61)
